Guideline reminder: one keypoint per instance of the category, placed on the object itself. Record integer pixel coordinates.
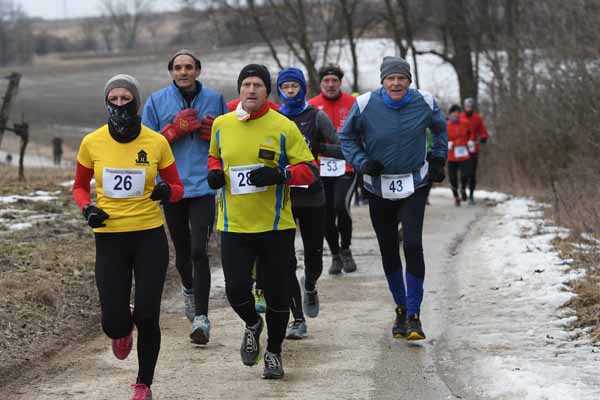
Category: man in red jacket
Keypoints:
(338, 176)
(479, 134)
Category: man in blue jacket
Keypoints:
(183, 112)
(384, 137)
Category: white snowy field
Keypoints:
(514, 284)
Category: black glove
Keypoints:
(266, 176)
(162, 192)
(216, 179)
(483, 140)
(95, 216)
(373, 168)
(436, 169)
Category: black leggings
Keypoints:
(238, 253)
(385, 216)
(454, 167)
(311, 221)
(146, 254)
(190, 223)
(473, 176)
(338, 224)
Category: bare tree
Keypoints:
(16, 34)
(126, 17)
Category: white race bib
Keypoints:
(461, 151)
(449, 145)
(332, 166)
(239, 176)
(471, 145)
(397, 186)
(120, 183)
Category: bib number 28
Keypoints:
(240, 176)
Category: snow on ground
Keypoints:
(479, 194)
(35, 196)
(513, 291)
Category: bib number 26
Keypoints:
(120, 183)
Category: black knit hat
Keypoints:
(330, 70)
(183, 52)
(257, 70)
(454, 108)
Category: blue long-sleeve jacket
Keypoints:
(191, 153)
(395, 137)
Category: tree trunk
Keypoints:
(461, 60)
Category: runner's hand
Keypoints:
(183, 123)
(266, 176)
(373, 168)
(95, 216)
(216, 179)
(436, 169)
(206, 127)
(483, 140)
(161, 191)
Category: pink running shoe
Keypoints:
(142, 392)
(122, 347)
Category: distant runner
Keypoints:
(125, 157)
(479, 135)
(459, 159)
(339, 178)
(384, 138)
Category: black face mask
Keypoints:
(124, 124)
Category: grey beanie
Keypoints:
(469, 101)
(183, 52)
(126, 82)
(395, 65)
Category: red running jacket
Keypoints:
(478, 130)
(459, 135)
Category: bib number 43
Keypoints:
(397, 186)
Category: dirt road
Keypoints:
(349, 353)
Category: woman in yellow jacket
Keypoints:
(125, 157)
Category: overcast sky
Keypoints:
(54, 9)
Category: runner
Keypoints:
(255, 153)
(124, 157)
(479, 135)
(259, 297)
(184, 112)
(308, 203)
(338, 189)
(458, 153)
(384, 138)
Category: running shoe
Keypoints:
(414, 331)
(189, 302)
(457, 201)
(250, 349)
(463, 195)
(336, 265)
(141, 392)
(273, 366)
(296, 330)
(399, 328)
(121, 347)
(260, 304)
(347, 261)
(200, 330)
(471, 201)
(310, 301)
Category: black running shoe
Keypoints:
(250, 349)
(273, 366)
(347, 261)
(413, 328)
(463, 195)
(399, 328)
(336, 265)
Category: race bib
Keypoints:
(471, 145)
(461, 152)
(239, 176)
(121, 183)
(449, 145)
(332, 166)
(397, 186)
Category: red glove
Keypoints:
(206, 127)
(185, 122)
